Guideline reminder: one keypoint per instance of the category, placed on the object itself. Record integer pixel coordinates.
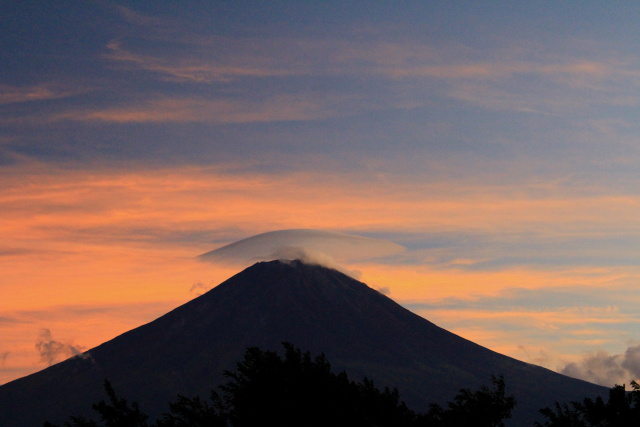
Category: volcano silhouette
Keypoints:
(322, 310)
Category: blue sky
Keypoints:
(497, 141)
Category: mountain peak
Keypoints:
(316, 308)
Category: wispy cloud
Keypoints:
(22, 94)
(9, 251)
(8, 320)
(3, 357)
(513, 74)
(195, 69)
(140, 19)
(199, 288)
(193, 110)
(52, 351)
(500, 69)
(224, 59)
(384, 75)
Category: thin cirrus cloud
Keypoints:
(223, 59)
(305, 106)
(191, 69)
(190, 110)
(492, 85)
(495, 85)
(382, 59)
(34, 93)
(578, 70)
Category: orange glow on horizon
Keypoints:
(97, 238)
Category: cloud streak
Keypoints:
(194, 110)
(561, 80)
(17, 94)
(195, 70)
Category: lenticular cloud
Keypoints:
(326, 248)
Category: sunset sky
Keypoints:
(498, 142)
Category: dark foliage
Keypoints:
(298, 390)
(117, 412)
(294, 390)
(622, 408)
(188, 412)
(484, 407)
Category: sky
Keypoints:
(496, 142)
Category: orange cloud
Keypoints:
(104, 204)
(502, 69)
(188, 110)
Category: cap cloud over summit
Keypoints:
(318, 247)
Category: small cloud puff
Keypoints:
(199, 288)
(606, 369)
(52, 351)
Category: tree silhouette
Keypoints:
(622, 408)
(486, 407)
(116, 412)
(299, 390)
(194, 412)
(296, 389)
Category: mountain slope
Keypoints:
(317, 309)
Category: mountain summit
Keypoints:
(319, 309)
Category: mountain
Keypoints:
(318, 309)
